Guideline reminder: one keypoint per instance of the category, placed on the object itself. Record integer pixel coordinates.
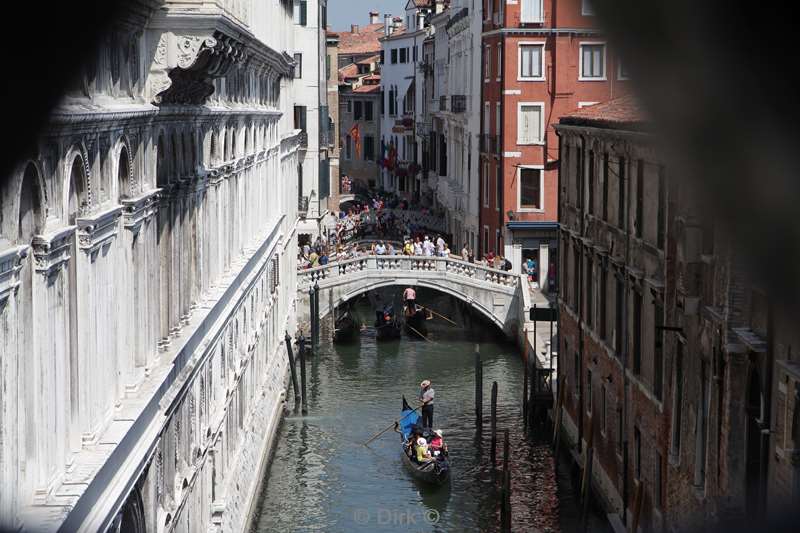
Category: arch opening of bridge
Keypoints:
(460, 296)
(494, 294)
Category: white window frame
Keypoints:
(581, 105)
(540, 15)
(485, 183)
(521, 209)
(487, 67)
(499, 65)
(487, 118)
(520, 77)
(519, 124)
(581, 77)
(587, 10)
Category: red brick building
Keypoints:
(540, 61)
(676, 367)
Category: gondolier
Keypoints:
(410, 297)
(426, 395)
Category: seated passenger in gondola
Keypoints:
(423, 453)
(437, 445)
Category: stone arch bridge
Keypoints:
(502, 297)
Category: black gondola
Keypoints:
(435, 472)
(415, 319)
(346, 327)
(387, 326)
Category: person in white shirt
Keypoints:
(427, 246)
(380, 249)
(417, 247)
(439, 244)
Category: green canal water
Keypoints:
(321, 477)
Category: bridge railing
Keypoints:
(395, 263)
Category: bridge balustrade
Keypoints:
(395, 263)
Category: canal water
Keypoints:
(321, 477)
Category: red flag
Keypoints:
(355, 134)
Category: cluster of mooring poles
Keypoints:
(505, 476)
(300, 396)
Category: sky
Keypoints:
(343, 13)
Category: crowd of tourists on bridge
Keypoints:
(372, 219)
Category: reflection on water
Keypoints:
(322, 478)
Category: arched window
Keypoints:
(124, 173)
(176, 155)
(225, 145)
(161, 162)
(30, 220)
(78, 199)
(212, 151)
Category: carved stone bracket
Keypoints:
(186, 65)
(136, 211)
(99, 230)
(51, 251)
(10, 265)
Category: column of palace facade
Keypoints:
(147, 277)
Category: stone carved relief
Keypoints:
(199, 60)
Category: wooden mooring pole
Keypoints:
(316, 319)
(525, 390)
(302, 342)
(494, 423)
(505, 510)
(478, 391)
(290, 353)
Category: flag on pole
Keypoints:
(355, 134)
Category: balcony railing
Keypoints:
(459, 103)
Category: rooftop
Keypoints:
(620, 113)
(362, 41)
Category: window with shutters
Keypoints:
(369, 148)
(531, 11)
(300, 12)
(531, 62)
(404, 55)
(530, 123)
(592, 62)
(358, 110)
(298, 69)
(368, 111)
(394, 56)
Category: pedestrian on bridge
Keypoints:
(426, 395)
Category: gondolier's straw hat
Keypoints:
(425, 383)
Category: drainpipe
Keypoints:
(579, 298)
(765, 426)
(625, 413)
(500, 138)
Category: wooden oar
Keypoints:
(391, 426)
(440, 316)
(412, 328)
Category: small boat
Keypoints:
(346, 327)
(435, 472)
(415, 319)
(387, 326)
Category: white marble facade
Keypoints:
(147, 277)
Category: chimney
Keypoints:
(387, 25)
(353, 28)
(374, 17)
